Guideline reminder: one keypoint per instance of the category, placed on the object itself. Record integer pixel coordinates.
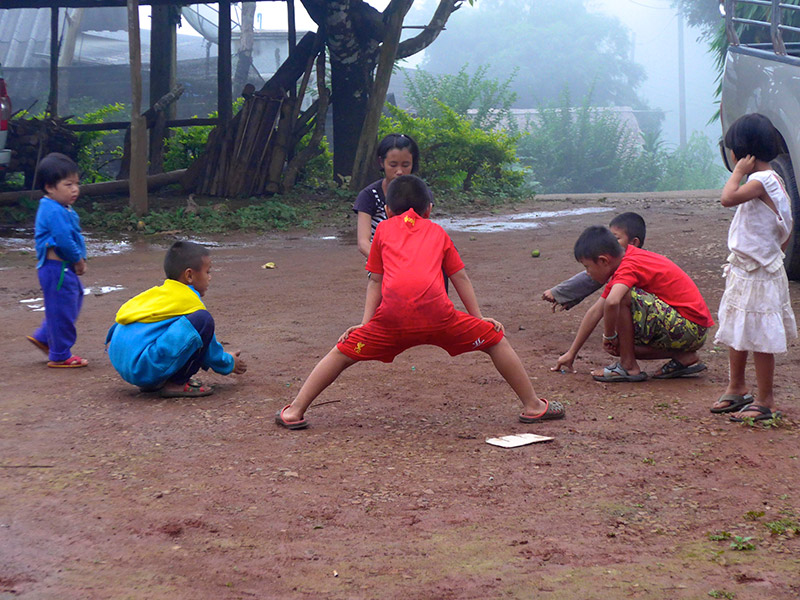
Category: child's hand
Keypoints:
(547, 296)
(498, 326)
(239, 366)
(347, 333)
(80, 267)
(745, 165)
(564, 364)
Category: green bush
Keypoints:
(97, 150)
(584, 149)
(205, 219)
(692, 167)
(317, 171)
(185, 144)
(578, 149)
(457, 155)
(491, 99)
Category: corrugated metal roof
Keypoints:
(25, 39)
(25, 33)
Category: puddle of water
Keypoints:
(103, 289)
(37, 304)
(513, 222)
(21, 240)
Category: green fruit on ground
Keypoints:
(535, 253)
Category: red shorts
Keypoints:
(459, 334)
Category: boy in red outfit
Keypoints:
(651, 308)
(407, 306)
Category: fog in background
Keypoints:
(653, 26)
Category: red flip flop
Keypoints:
(73, 362)
(301, 424)
(192, 389)
(40, 345)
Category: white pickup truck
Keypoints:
(762, 74)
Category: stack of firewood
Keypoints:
(32, 139)
(254, 154)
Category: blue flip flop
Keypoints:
(616, 373)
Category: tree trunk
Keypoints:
(245, 55)
(353, 32)
(350, 85)
(365, 150)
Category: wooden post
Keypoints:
(138, 178)
(368, 139)
(52, 100)
(162, 38)
(224, 98)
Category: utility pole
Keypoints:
(681, 82)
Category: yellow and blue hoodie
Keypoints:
(152, 338)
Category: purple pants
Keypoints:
(63, 298)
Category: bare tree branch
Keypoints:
(421, 41)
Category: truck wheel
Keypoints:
(783, 167)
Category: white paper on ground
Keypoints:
(513, 441)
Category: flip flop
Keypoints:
(735, 402)
(765, 413)
(188, 391)
(301, 424)
(40, 345)
(675, 368)
(73, 362)
(616, 373)
(553, 410)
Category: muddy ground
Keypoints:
(108, 493)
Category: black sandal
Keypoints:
(765, 414)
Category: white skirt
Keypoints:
(755, 313)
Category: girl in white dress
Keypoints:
(755, 313)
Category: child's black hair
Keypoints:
(594, 241)
(398, 141)
(754, 134)
(53, 168)
(408, 191)
(182, 256)
(632, 224)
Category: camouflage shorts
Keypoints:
(658, 325)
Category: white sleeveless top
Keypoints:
(757, 232)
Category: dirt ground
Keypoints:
(108, 493)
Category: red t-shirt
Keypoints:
(660, 276)
(410, 252)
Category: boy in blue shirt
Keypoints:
(60, 259)
(165, 335)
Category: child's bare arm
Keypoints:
(466, 292)
(734, 194)
(370, 305)
(363, 232)
(611, 316)
(373, 297)
(588, 323)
